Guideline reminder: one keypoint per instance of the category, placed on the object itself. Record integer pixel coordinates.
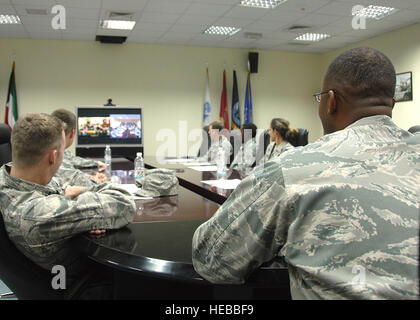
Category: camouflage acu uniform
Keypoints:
(213, 152)
(71, 161)
(41, 221)
(343, 212)
(246, 155)
(273, 151)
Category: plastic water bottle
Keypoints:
(138, 166)
(221, 163)
(107, 160)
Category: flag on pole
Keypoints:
(207, 103)
(224, 113)
(236, 113)
(248, 116)
(11, 113)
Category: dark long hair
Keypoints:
(284, 130)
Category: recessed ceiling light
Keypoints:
(219, 30)
(117, 24)
(374, 12)
(266, 4)
(313, 37)
(9, 19)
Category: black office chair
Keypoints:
(302, 138)
(235, 139)
(5, 145)
(414, 129)
(27, 280)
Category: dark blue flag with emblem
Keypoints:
(236, 114)
(248, 117)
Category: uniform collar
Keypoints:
(23, 185)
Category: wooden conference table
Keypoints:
(151, 257)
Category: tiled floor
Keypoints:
(5, 289)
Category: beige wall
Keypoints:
(168, 81)
(403, 48)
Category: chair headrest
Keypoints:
(4, 133)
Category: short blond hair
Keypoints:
(33, 136)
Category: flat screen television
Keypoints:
(119, 127)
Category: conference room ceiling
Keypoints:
(183, 22)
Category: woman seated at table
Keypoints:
(281, 137)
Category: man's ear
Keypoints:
(331, 103)
(72, 133)
(52, 156)
(393, 103)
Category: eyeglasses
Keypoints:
(318, 95)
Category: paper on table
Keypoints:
(204, 168)
(197, 164)
(179, 160)
(223, 184)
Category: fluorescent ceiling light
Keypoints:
(374, 12)
(313, 37)
(266, 4)
(9, 19)
(219, 30)
(118, 24)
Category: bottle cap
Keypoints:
(139, 154)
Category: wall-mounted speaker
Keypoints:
(253, 61)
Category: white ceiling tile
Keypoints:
(21, 9)
(82, 23)
(149, 33)
(400, 4)
(12, 28)
(146, 27)
(303, 6)
(141, 39)
(5, 2)
(158, 17)
(80, 13)
(89, 4)
(29, 3)
(246, 13)
(124, 5)
(283, 16)
(318, 20)
(262, 25)
(207, 9)
(7, 9)
(167, 6)
(234, 22)
(343, 9)
(196, 20)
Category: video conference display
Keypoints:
(98, 126)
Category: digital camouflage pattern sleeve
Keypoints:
(72, 161)
(343, 212)
(40, 219)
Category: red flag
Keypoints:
(224, 112)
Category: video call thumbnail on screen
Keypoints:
(114, 126)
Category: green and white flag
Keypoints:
(11, 113)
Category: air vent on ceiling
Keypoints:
(298, 28)
(253, 35)
(111, 39)
(41, 12)
(113, 15)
